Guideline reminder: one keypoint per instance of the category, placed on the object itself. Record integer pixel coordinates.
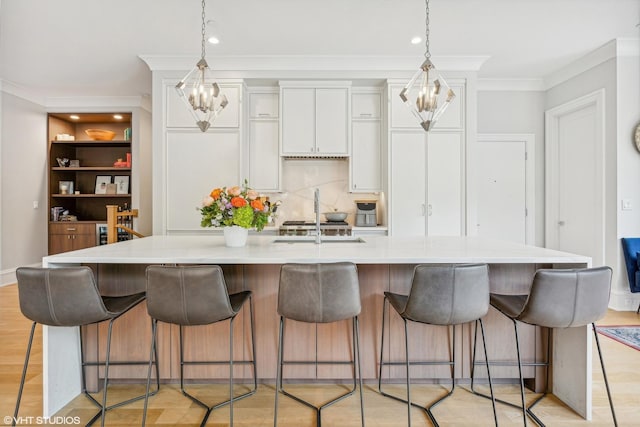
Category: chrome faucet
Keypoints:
(316, 209)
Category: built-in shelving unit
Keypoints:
(75, 188)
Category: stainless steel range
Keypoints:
(308, 228)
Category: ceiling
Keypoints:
(91, 47)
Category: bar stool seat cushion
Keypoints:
(509, 305)
(124, 303)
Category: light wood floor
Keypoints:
(170, 408)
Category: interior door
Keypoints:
(575, 177)
(501, 187)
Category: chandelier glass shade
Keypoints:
(199, 91)
(427, 94)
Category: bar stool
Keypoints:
(439, 295)
(191, 296)
(559, 298)
(319, 293)
(69, 297)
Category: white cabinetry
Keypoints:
(264, 158)
(192, 163)
(197, 162)
(314, 120)
(366, 162)
(426, 195)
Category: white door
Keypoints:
(444, 184)
(408, 184)
(501, 188)
(575, 218)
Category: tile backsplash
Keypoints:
(300, 177)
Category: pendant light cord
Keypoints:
(427, 54)
(203, 31)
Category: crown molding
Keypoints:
(516, 85)
(312, 63)
(615, 48)
(76, 103)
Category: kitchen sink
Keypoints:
(324, 239)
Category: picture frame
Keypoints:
(122, 183)
(74, 163)
(65, 187)
(101, 184)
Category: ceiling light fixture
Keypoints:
(200, 92)
(117, 116)
(416, 40)
(430, 91)
(74, 117)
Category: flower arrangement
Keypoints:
(240, 206)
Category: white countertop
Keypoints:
(263, 250)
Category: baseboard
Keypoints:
(8, 277)
(624, 301)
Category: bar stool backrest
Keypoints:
(187, 295)
(319, 293)
(564, 298)
(60, 296)
(448, 295)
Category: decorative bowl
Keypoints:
(335, 216)
(100, 134)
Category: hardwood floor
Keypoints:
(170, 408)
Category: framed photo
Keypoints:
(101, 183)
(122, 183)
(74, 163)
(65, 187)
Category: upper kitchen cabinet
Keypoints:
(452, 119)
(366, 161)
(178, 115)
(314, 119)
(264, 159)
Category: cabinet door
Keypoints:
(263, 105)
(264, 159)
(408, 179)
(59, 243)
(81, 241)
(178, 115)
(444, 184)
(365, 156)
(365, 105)
(298, 121)
(332, 133)
(197, 163)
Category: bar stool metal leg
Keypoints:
(604, 374)
(24, 374)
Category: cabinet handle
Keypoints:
(73, 237)
(366, 114)
(423, 209)
(71, 229)
(68, 237)
(312, 149)
(429, 210)
(264, 114)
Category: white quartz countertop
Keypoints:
(264, 250)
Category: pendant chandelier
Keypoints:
(199, 91)
(427, 94)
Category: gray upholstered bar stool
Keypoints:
(319, 293)
(193, 296)
(440, 295)
(559, 298)
(70, 297)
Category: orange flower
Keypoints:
(257, 205)
(215, 193)
(238, 202)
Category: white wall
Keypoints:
(518, 112)
(23, 229)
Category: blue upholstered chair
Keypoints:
(631, 248)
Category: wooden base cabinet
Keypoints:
(69, 236)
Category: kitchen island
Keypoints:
(384, 263)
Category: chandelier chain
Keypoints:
(203, 30)
(427, 54)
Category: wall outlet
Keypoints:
(35, 204)
(626, 204)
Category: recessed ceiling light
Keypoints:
(117, 116)
(416, 40)
(213, 40)
(74, 117)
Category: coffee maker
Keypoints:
(366, 213)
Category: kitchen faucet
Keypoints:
(316, 209)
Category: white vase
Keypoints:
(235, 236)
